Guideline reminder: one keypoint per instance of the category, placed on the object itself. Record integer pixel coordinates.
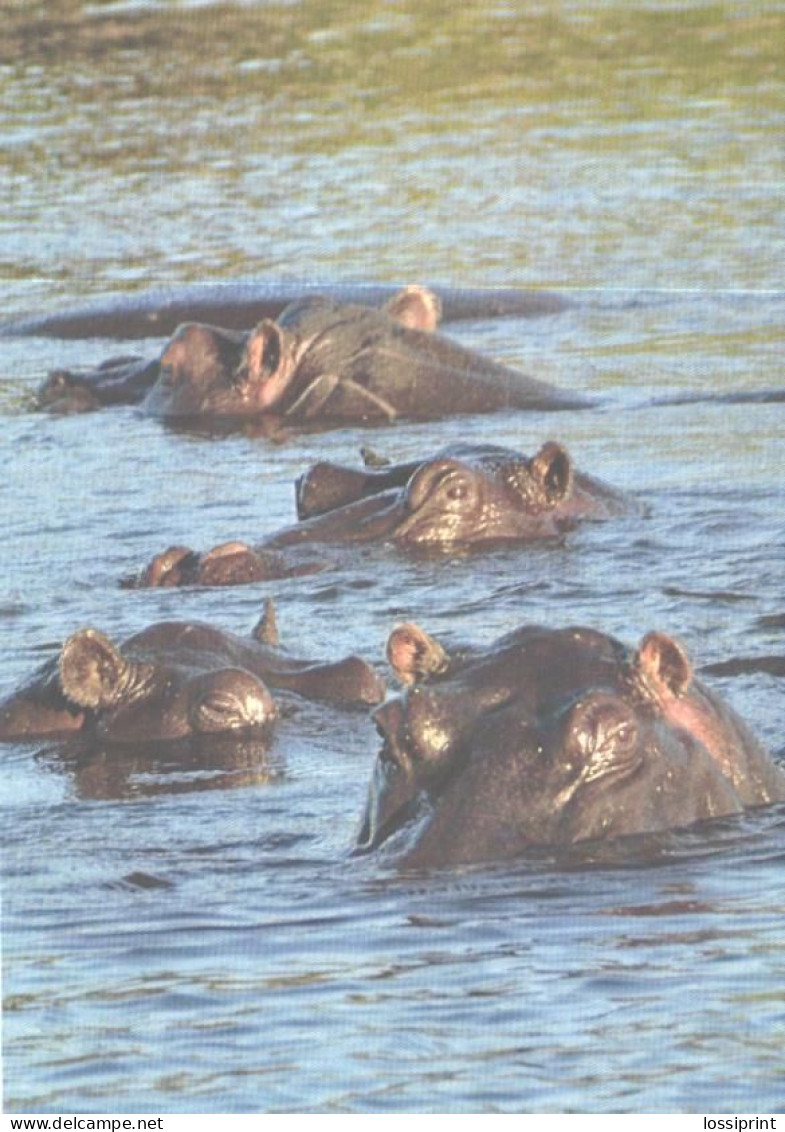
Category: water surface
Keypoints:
(183, 937)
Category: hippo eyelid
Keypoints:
(601, 724)
(452, 484)
(615, 752)
(435, 474)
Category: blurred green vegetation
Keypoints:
(632, 59)
(595, 141)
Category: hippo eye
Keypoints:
(604, 732)
(626, 734)
(622, 737)
(437, 482)
(454, 488)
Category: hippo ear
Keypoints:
(91, 670)
(415, 307)
(263, 351)
(664, 663)
(413, 655)
(552, 470)
(266, 628)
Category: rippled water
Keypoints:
(187, 937)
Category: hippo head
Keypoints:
(281, 366)
(93, 685)
(462, 496)
(491, 496)
(134, 701)
(200, 375)
(548, 737)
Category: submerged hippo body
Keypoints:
(239, 306)
(321, 362)
(551, 737)
(463, 497)
(174, 680)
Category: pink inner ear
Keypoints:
(665, 663)
(402, 649)
(412, 653)
(263, 350)
(407, 646)
(552, 466)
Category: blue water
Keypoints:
(195, 938)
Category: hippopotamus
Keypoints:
(743, 665)
(174, 680)
(547, 738)
(462, 497)
(239, 306)
(513, 487)
(321, 363)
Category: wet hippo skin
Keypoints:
(320, 362)
(550, 737)
(462, 497)
(174, 680)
